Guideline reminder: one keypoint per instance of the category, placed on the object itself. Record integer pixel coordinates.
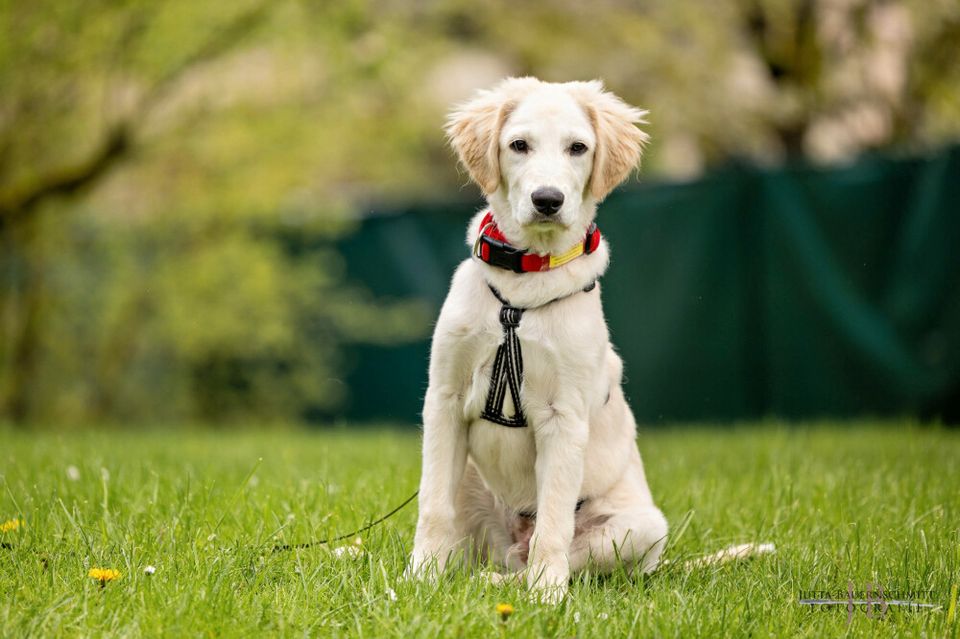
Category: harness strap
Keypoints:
(507, 370)
(507, 374)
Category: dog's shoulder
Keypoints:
(469, 306)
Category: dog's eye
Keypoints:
(520, 146)
(578, 148)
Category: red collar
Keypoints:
(492, 247)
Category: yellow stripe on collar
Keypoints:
(559, 260)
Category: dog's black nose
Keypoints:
(547, 200)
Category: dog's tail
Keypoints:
(736, 552)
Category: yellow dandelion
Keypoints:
(504, 610)
(10, 525)
(103, 575)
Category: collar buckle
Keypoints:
(499, 254)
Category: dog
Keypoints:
(530, 460)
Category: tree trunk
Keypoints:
(26, 292)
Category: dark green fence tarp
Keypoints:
(798, 292)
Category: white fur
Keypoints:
(731, 553)
(580, 442)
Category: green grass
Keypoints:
(843, 502)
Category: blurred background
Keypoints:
(225, 212)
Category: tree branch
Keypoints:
(66, 181)
(19, 203)
(222, 41)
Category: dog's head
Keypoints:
(545, 154)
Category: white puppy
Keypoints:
(529, 452)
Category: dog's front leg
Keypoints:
(444, 460)
(560, 441)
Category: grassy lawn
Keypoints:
(843, 502)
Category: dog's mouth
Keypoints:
(542, 222)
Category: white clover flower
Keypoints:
(347, 551)
(602, 616)
(149, 570)
(576, 617)
(391, 595)
(73, 473)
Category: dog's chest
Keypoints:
(505, 458)
(537, 357)
(553, 364)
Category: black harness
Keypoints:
(507, 374)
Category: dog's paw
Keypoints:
(423, 568)
(432, 555)
(548, 582)
(552, 595)
(499, 578)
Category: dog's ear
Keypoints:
(619, 141)
(473, 129)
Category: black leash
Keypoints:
(308, 544)
(321, 542)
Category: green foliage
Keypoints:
(842, 502)
(165, 208)
(173, 320)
